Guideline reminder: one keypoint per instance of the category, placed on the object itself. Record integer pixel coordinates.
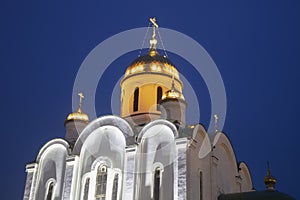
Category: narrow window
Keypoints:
(158, 96)
(115, 187)
(101, 179)
(136, 100)
(156, 184)
(201, 185)
(50, 191)
(86, 189)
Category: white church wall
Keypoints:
(69, 177)
(227, 170)
(30, 184)
(180, 169)
(189, 169)
(199, 165)
(129, 173)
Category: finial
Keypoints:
(80, 102)
(216, 123)
(269, 180)
(153, 40)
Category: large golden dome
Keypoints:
(152, 63)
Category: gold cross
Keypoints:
(153, 40)
(153, 21)
(80, 101)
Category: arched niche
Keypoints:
(104, 145)
(51, 162)
(156, 149)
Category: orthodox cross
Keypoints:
(80, 101)
(153, 40)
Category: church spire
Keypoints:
(153, 40)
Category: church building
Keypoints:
(146, 153)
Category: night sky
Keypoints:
(255, 45)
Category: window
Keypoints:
(50, 191)
(158, 96)
(136, 100)
(156, 190)
(101, 179)
(201, 185)
(115, 187)
(86, 189)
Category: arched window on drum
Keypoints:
(136, 100)
(158, 96)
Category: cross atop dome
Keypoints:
(80, 102)
(78, 115)
(153, 40)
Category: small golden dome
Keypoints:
(269, 180)
(173, 94)
(78, 115)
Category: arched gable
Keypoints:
(245, 177)
(59, 141)
(226, 170)
(110, 120)
(157, 122)
(224, 143)
(51, 162)
(156, 150)
(201, 141)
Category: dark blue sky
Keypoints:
(255, 45)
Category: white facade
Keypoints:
(189, 168)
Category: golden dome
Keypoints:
(173, 94)
(78, 115)
(269, 180)
(152, 63)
